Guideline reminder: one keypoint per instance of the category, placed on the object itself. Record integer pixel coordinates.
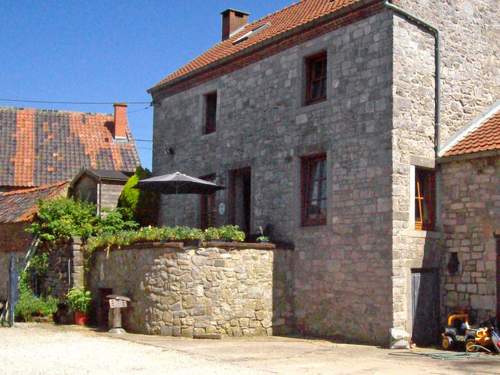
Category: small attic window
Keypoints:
(251, 33)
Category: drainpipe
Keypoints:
(437, 62)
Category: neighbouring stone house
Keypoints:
(17, 211)
(99, 186)
(470, 214)
(42, 150)
(325, 122)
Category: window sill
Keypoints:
(208, 134)
(417, 233)
(305, 108)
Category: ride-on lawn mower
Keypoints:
(459, 334)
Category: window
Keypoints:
(425, 188)
(207, 206)
(314, 190)
(210, 112)
(316, 68)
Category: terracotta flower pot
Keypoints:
(80, 318)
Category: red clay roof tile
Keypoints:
(282, 21)
(22, 205)
(39, 147)
(486, 137)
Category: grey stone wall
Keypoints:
(412, 146)
(263, 124)
(470, 46)
(191, 291)
(471, 219)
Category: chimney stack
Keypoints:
(232, 20)
(120, 121)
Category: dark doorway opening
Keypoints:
(240, 182)
(103, 308)
(425, 306)
(498, 277)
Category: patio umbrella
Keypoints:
(178, 183)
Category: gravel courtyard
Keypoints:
(31, 349)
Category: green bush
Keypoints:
(125, 238)
(141, 205)
(29, 305)
(79, 300)
(63, 218)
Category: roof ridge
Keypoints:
(31, 190)
(474, 125)
(54, 110)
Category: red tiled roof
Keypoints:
(486, 137)
(39, 147)
(282, 21)
(22, 205)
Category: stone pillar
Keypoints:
(77, 271)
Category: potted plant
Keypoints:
(79, 301)
(262, 239)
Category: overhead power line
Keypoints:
(67, 102)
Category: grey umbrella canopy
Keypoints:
(178, 183)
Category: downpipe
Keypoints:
(437, 65)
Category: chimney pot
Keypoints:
(120, 121)
(232, 20)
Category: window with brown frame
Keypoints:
(316, 68)
(207, 206)
(314, 190)
(210, 112)
(425, 201)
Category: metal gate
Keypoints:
(425, 306)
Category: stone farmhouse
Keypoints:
(41, 151)
(365, 135)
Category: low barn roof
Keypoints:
(40, 147)
(22, 205)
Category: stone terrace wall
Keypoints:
(471, 219)
(190, 291)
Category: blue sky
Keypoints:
(106, 50)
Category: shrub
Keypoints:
(79, 300)
(125, 238)
(29, 305)
(63, 218)
(141, 205)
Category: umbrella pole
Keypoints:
(176, 204)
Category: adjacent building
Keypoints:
(326, 122)
(41, 151)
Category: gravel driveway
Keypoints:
(30, 349)
(46, 350)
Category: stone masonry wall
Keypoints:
(342, 270)
(190, 291)
(469, 48)
(471, 219)
(413, 146)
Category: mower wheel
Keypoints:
(470, 345)
(447, 342)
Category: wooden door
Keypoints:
(425, 306)
(241, 198)
(498, 278)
